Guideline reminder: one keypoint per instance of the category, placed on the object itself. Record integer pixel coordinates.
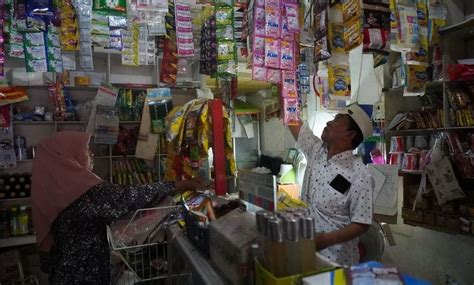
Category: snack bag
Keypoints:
(339, 77)
(408, 28)
(394, 32)
(351, 9)
(10, 95)
(321, 24)
(376, 27)
(292, 12)
(272, 53)
(273, 76)
(336, 37)
(69, 27)
(288, 88)
(258, 58)
(416, 78)
(259, 73)
(110, 5)
(259, 43)
(7, 152)
(290, 112)
(287, 60)
(321, 49)
(259, 14)
(226, 50)
(272, 22)
(422, 54)
(224, 16)
(259, 28)
(285, 31)
(272, 3)
(227, 69)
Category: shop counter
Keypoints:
(188, 258)
(181, 250)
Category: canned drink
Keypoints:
(48, 116)
(397, 144)
(396, 159)
(20, 142)
(21, 154)
(421, 142)
(410, 161)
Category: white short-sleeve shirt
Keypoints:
(332, 209)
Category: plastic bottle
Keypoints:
(12, 178)
(14, 222)
(23, 221)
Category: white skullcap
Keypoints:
(361, 118)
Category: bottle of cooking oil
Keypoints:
(14, 222)
(23, 221)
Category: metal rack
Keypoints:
(141, 244)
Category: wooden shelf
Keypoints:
(72, 88)
(459, 128)
(71, 122)
(13, 200)
(17, 241)
(113, 156)
(65, 122)
(48, 122)
(415, 172)
(413, 131)
(100, 50)
(134, 86)
(123, 156)
(420, 131)
(463, 29)
(436, 228)
(34, 123)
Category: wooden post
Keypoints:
(218, 147)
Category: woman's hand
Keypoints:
(195, 184)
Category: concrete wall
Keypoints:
(469, 9)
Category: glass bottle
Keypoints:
(23, 221)
(14, 223)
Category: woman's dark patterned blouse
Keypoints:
(81, 253)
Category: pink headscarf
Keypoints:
(60, 176)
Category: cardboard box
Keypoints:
(429, 218)
(448, 221)
(10, 266)
(230, 238)
(410, 215)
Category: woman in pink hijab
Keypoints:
(72, 206)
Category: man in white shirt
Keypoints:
(337, 186)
